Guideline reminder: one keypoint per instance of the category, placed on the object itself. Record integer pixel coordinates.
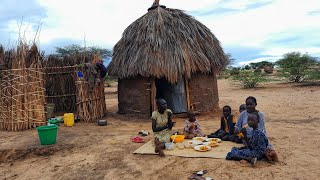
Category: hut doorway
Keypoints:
(174, 94)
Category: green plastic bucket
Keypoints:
(47, 134)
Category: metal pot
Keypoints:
(102, 122)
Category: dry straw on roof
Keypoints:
(166, 43)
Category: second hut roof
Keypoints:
(166, 43)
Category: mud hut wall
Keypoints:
(203, 92)
(134, 96)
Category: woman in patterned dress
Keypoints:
(161, 126)
(256, 145)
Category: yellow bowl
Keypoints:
(178, 139)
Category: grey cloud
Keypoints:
(29, 12)
(295, 38)
(219, 8)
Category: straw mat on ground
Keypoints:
(219, 152)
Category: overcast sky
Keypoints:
(251, 30)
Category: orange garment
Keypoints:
(234, 120)
(240, 135)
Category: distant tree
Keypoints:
(230, 60)
(262, 64)
(77, 49)
(297, 67)
(247, 67)
(249, 79)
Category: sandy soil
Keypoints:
(88, 151)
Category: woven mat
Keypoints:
(219, 152)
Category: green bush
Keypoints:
(249, 79)
(258, 70)
(225, 74)
(108, 80)
(297, 67)
(234, 71)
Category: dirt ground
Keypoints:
(87, 151)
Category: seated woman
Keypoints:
(192, 127)
(161, 126)
(256, 146)
(242, 125)
(242, 122)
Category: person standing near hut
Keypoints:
(161, 126)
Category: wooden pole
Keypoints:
(187, 93)
(156, 3)
(153, 94)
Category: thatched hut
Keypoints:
(167, 54)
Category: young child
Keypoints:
(257, 145)
(226, 131)
(242, 108)
(192, 127)
(238, 138)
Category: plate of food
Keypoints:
(211, 143)
(195, 142)
(199, 138)
(213, 139)
(202, 148)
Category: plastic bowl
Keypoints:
(178, 139)
(169, 146)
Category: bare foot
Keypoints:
(161, 153)
(244, 161)
(272, 155)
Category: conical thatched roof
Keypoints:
(166, 43)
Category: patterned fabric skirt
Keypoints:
(244, 152)
(164, 135)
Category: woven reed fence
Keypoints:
(61, 87)
(28, 82)
(90, 106)
(22, 100)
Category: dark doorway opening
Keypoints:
(174, 94)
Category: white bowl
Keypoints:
(169, 146)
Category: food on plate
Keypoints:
(204, 148)
(199, 138)
(196, 142)
(212, 143)
(213, 139)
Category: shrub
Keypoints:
(225, 74)
(297, 67)
(249, 79)
(108, 80)
(234, 71)
(258, 70)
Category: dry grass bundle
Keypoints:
(166, 43)
(22, 88)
